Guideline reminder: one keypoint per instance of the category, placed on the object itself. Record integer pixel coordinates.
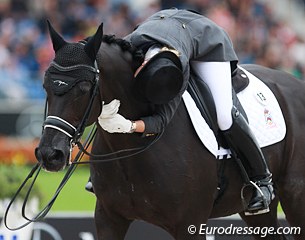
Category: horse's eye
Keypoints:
(85, 86)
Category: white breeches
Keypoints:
(217, 75)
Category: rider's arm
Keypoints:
(159, 120)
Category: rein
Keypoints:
(107, 157)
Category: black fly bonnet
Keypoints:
(63, 74)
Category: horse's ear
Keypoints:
(94, 43)
(57, 41)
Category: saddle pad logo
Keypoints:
(268, 119)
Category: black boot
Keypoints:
(241, 140)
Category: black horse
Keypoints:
(174, 183)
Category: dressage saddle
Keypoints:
(202, 96)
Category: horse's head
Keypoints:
(71, 84)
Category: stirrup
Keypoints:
(245, 203)
(265, 208)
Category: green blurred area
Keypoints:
(73, 196)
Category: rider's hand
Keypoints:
(113, 122)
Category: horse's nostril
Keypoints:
(38, 154)
(51, 159)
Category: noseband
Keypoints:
(59, 124)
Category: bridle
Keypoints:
(74, 134)
(59, 124)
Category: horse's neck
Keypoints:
(117, 79)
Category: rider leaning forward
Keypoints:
(175, 43)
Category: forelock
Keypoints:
(72, 54)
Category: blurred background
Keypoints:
(266, 32)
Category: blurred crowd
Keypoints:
(25, 48)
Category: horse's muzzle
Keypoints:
(51, 159)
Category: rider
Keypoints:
(176, 42)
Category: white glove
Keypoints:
(113, 122)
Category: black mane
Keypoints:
(137, 54)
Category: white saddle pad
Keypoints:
(263, 111)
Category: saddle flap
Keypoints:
(202, 96)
